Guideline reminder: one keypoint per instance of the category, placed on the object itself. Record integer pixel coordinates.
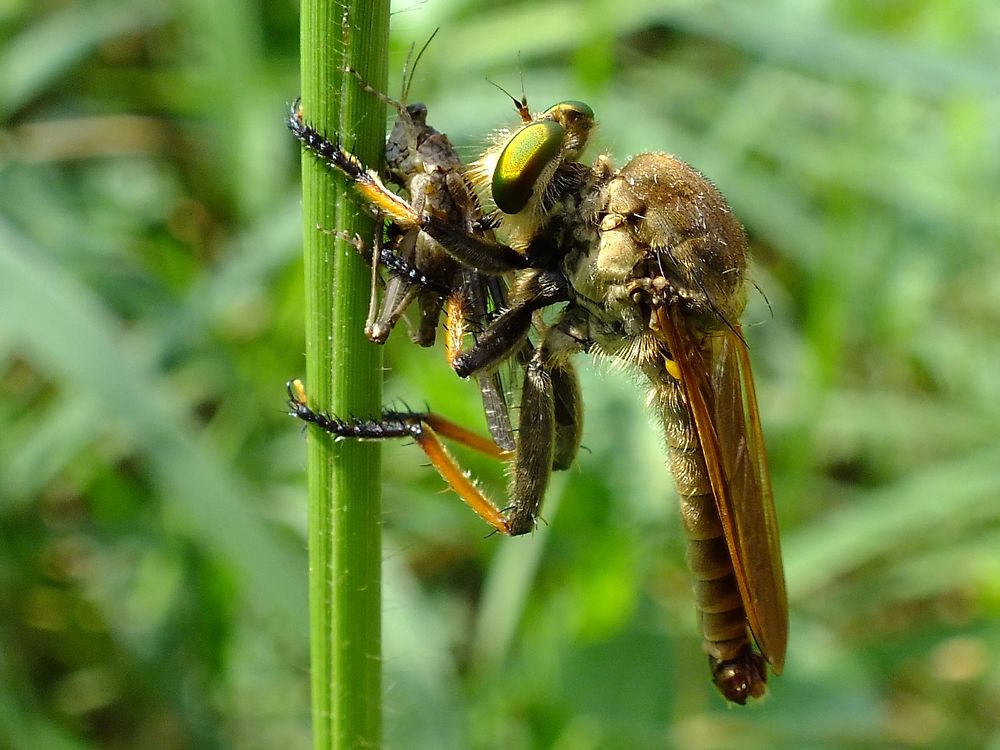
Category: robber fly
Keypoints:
(423, 163)
(649, 266)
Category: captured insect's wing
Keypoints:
(485, 295)
(497, 412)
(719, 389)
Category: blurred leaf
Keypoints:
(66, 331)
(41, 53)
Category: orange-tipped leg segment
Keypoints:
(448, 429)
(457, 479)
(367, 182)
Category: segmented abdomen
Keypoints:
(717, 596)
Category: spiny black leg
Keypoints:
(484, 254)
(326, 149)
(424, 429)
(401, 268)
(392, 424)
(394, 262)
(381, 199)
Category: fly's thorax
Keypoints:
(567, 233)
(657, 218)
(602, 273)
(661, 217)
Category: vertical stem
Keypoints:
(343, 374)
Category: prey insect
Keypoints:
(422, 163)
(647, 265)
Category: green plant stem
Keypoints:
(343, 374)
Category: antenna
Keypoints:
(521, 105)
(408, 69)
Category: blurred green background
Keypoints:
(152, 502)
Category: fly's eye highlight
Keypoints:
(522, 160)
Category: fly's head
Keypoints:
(527, 174)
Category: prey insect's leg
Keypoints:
(373, 291)
(372, 256)
(396, 262)
(399, 292)
(424, 430)
(401, 108)
(406, 282)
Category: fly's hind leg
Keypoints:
(550, 420)
(548, 435)
(422, 428)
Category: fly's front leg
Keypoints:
(414, 274)
(368, 184)
(373, 257)
(482, 253)
(399, 290)
(533, 291)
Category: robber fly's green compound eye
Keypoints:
(522, 160)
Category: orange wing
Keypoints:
(718, 385)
